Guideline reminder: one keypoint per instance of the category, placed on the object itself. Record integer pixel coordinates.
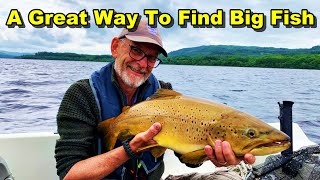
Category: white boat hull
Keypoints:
(30, 156)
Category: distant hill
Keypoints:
(246, 56)
(215, 55)
(7, 54)
(214, 50)
(67, 57)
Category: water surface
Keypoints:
(31, 91)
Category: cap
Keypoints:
(144, 33)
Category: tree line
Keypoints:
(295, 61)
(67, 57)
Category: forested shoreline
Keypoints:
(295, 61)
(238, 56)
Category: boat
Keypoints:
(31, 155)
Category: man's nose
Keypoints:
(143, 62)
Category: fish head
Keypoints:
(247, 134)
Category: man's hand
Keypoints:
(224, 156)
(145, 138)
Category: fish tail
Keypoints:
(107, 131)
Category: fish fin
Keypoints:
(124, 135)
(107, 131)
(125, 108)
(165, 94)
(147, 147)
(210, 141)
(194, 157)
(158, 151)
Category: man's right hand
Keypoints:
(102, 165)
(145, 138)
(222, 155)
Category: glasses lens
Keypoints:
(156, 64)
(136, 53)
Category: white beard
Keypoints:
(129, 80)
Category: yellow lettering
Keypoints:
(103, 17)
(14, 19)
(35, 17)
(276, 16)
(72, 20)
(165, 19)
(83, 15)
(217, 18)
(307, 18)
(151, 14)
(236, 17)
(295, 19)
(59, 19)
(119, 19)
(257, 20)
(183, 16)
(132, 19)
(303, 19)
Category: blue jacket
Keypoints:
(110, 100)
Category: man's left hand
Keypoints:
(224, 156)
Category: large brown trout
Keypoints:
(188, 124)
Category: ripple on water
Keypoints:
(38, 92)
(15, 91)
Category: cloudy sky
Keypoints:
(96, 40)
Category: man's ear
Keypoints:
(114, 47)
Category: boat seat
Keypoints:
(5, 173)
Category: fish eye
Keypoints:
(251, 133)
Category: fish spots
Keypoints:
(194, 122)
(223, 134)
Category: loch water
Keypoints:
(31, 91)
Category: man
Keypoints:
(127, 81)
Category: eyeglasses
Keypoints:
(137, 54)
